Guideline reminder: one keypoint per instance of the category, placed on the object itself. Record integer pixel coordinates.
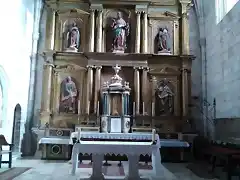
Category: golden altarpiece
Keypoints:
(148, 40)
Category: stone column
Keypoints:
(185, 91)
(50, 28)
(99, 31)
(46, 108)
(89, 88)
(137, 90)
(145, 33)
(97, 87)
(185, 26)
(144, 86)
(138, 32)
(92, 30)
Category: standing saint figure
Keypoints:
(73, 38)
(164, 40)
(121, 31)
(69, 95)
(165, 95)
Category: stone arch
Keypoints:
(3, 95)
(16, 127)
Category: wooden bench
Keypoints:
(3, 142)
(229, 154)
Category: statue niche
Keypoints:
(69, 96)
(117, 31)
(72, 36)
(164, 98)
(163, 38)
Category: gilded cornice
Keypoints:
(163, 15)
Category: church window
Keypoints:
(1, 105)
(222, 7)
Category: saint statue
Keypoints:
(68, 95)
(120, 31)
(165, 97)
(73, 38)
(163, 40)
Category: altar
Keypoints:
(133, 145)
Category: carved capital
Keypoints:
(92, 10)
(138, 12)
(90, 67)
(146, 69)
(136, 68)
(98, 67)
(49, 56)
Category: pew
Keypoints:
(3, 142)
(227, 152)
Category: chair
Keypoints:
(3, 142)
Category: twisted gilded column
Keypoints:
(185, 91)
(50, 28)
(99, 31)
(137, 90)
(97, 87)
(89, 88)
(138, 32)
(185, 26)
(92, 30)
(145, 33)
(144, 86)
(47, 88)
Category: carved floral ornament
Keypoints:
(68, 68)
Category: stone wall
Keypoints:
(227, 128)
(223, 60)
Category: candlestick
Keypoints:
(97, 108)
(79, 134)
(79, 109)
(143, 109)
(153, 135)
(134, 108)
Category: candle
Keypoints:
(153, 108)
(79, 134)
(88, 107)
(79, 109)
(134, 109)
(143, 109)
(98, 108)
(153, 135)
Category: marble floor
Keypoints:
(60, 170)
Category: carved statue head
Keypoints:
(69, 79)
(119, 15)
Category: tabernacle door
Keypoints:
(116, 124)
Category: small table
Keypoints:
(132, 149)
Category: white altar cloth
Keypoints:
(54, 140)
(132, 149)
(128, 136)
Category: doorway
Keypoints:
(16, 128)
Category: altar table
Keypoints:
(132, 149)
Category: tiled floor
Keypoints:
(60, 170)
